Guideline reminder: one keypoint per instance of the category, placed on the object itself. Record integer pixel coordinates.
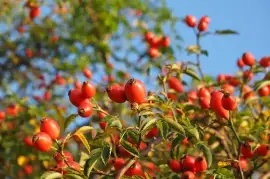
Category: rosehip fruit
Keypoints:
(262, 150)
(42, 141)
(175, 166)
(75, 97)
(176, 84)
(190, 21)
(246, 150)
(188, 163)
(200, 164)
(188, 175)
(135, 91)
(248, 59)
(216, 104)
(87, 73)
(229, 102)
(85, 109)
(50, 127)
(88, 90)
(119, 163)
(116, 93)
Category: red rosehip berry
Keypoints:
(188, 163)
(51, 127)
(265, 61)
(116, 93)
(204, 92)
(34, 12)
(263, 150)
(264, 91)
(246, 150)
(152, 133)
(216, 104)
(42, 141)
(28, 141)
(203, 26)
(135, 91)
(87, 73)
(248, 59)
(188, 175)
(88, 90)
(229, 102)
(190, 21)
(85, 109)
(75, 97)
(176, 84)
(153, 52)
(240, 63)
(119, 163)
(175, 166)
(200, 164)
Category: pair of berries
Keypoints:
(49, 130)
(188, 165)
(246, 151)
(134, 170)
(80, 98)
(134, 91)
(155, 42)
(63, 161)
(203, 23)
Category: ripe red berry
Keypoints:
(28, 141)
(21, 29)
(248, 95)
(2, 115)
(188, 175)
(135, 170)
(265, 61)
(153, 52)
(192, 96)
(85, 109)
(103, 124)
(42, 141)
(135, 91)
(190, 21)
(248, 59)
(28, 169)
(172, 96)
(88, 90)
(200, 164)
(87, 73)
(246, 150)
(47, 95)
(248, 75)
(34, 12)
(185, 141)
(234, 81)
(229, 102)
(176, 84)
(203, 26)
(204, 92)
(148, 36)
(67, 155)
(29, 53)
(243, 164)
(188, 163)
(152, 133)
(175, 166)
(228, 88)
(240, 63)
(264, 91)
(205, 19)
(50, 127)
(116, 93)
(77, 84)
(119, 163)
(101, 115)
(221, 78)
(75, 97)
(164, 42)
(216, 104)
(263, 150)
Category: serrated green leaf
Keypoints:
(69, 120)
(90, 163)
(106, 153)
(207, 153)
(163, 128)
(51, 175)
(226, 32)
(130, 148)
(147, 125)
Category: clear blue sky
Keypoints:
(250, 18)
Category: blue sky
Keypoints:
(250, 18)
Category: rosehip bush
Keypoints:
(76, 104)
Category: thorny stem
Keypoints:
(239, 143)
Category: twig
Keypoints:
(125, 168)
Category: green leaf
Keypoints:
(106, 153)
(147, 124)
(84, 141)
(207, 153)
(224, 173)
(176, 126)
(116, 123)
(191, 74)
(90, 163)
(163, 128)
(83, 129)
(73, 176)
(69, 119)
(226, 32)
(204, 52)
(130, 148)
(51, 175)
(261, 84)
(193, 132)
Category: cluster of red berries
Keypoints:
(133, 91)
(248, 59)
(189, 166)
(63, 161)
(202, 25)
(34, 9)
(80, 96)
(49, 131)
(11, 110)
(155, 43)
